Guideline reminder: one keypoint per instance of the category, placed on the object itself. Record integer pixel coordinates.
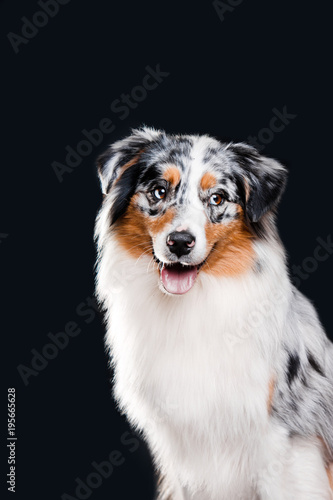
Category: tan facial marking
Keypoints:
(328, 460)
(127, 165)
(230, 247)
(329, 470)
(134, 230)
(131, 230)
(247, 189)
(158, 224)
(172, 175)
(208, 181)
(271, 388)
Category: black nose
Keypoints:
(180, 242)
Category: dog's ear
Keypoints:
(262, 181)
(123, 154)
(119, 168)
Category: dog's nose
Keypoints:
(180, 242)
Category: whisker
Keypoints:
(143, 253)
(150, 261)
(143, 247)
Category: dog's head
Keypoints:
(191, 202)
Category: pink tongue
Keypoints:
(178, 279)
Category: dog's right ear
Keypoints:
(122, 155)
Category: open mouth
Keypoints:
(178, 278)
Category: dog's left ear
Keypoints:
(262, 181)
(122, 154)
(119, 168)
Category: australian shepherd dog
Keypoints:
(219, 361)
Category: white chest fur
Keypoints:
(193, 373)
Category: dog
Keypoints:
(219, 361)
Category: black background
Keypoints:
(225, 77)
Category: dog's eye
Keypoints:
(159, 193)
(215, 199)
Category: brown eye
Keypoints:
(215, 199)
(159, 193)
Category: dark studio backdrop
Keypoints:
(89, 71)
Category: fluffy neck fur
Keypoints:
(179, 360)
